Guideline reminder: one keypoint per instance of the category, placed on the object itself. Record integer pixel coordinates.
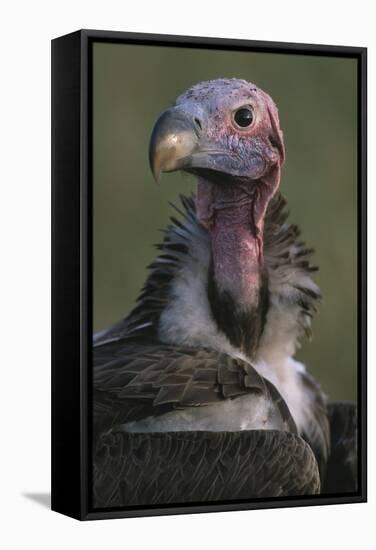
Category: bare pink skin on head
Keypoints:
(233, 210)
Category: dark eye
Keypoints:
(243, 117)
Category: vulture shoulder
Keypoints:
(152, 387)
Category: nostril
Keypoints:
(198, 123)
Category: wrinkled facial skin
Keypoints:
(240, 152)
(200, 135)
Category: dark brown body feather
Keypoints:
(342, 467)
(186, 467)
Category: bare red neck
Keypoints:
(229, 212)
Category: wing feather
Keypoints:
(151, 380)
(184, 467)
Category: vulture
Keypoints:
(197, 396)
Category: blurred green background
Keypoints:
(316, 97)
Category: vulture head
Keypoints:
(227, 133)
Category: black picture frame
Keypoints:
(72, 269)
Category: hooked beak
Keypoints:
(179, 143)
(173, 141)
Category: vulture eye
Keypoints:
(243, 117)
